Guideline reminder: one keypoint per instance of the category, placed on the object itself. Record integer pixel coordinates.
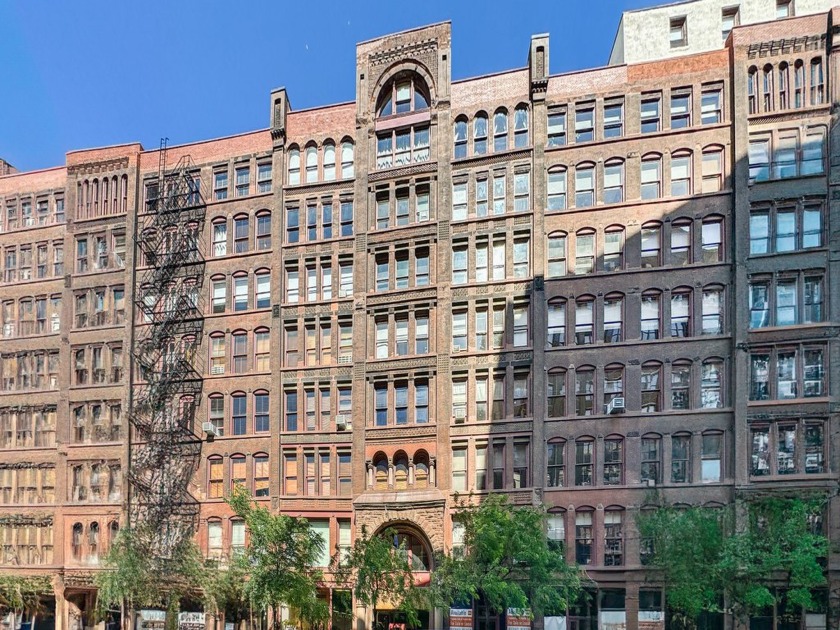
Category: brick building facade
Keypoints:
(591, 290)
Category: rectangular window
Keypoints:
(678, 34)
(650, 113)
(520, 465)
(680, 109)
(459, 201)
(584, 124)
(711, 458)
(711, 105)
(243, 180)
(556, 129)
(264, 177)
(220, 185)
(759, 159)
(613, 120)
(459, 469)
(499, 185)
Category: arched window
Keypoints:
(240, 291)
(584, 320)
(480, 134)
(584, 251)
(241, 233)
(105, 196)
(556, 255)
(650, 315)
(712, 169)
(556, 462)
(752, 90)
(681, 309)
(613, 317)
(681, 173)
(405, 94)
(262, 288)
(583, 528)
(239, 404)
(613, 460)
(76, 541)
(584, 461)
(520, 127)
(346, 159)
(798, 84)
(614, 248)
(218, 353)
(584, 185)
(651, 176)
(681, 384)
(94, 185)
(329, 161)
(414, 548)
(380, 472)
(817, 88)
(421, 470)
(93, 543)
(556, 336)
(556, 188)
(767, 88)
(400, 471)
(219, 237)
(711, 384)
(217, 413)
(651, 387)
(261, 469)
(783, 85)
(214, 538)
(712, 239)
(238, 471)
(584, 391)
(262, 235)
(114, 193)
(712, 310)
(113, 531)
(294, 166)
(681, 242)
(651, 252)
(613, 536)
(500, 131)
(460, 133)
(124, 192)
(311, 164)
(614, 388)
(215, 474)
(711, 456)
(614, 181)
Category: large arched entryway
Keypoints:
(410, 540)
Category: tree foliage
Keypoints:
(378, 570)
(281, 554)
(223, 589)
(704, 558)
(507, 560)
(22, 593)
(135, 578)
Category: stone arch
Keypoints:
(398, 67)
(418, 537)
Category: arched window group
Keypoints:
(101, 196)
(89, 541)
(475, 136)
(401, 471)
(326, 163)
(786, 85)
(683, 241)
(240, 233)
(607, 390)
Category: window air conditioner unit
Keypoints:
(345, 359)
(209, 428)
(616, 405)
(343, 422)
(217, 369)
(460, 415)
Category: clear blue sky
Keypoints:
(82, 74)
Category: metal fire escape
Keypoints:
(165, 450)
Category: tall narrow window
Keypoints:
(584, 185)
(500, 131)
(556, 189)
(480, 134)
(520, 127)
(817, 89)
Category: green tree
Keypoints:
(378, 571)
(223, 590)
(281, 554)
(134, 578)
(23, 593)
(507, 561)
(703, 559)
